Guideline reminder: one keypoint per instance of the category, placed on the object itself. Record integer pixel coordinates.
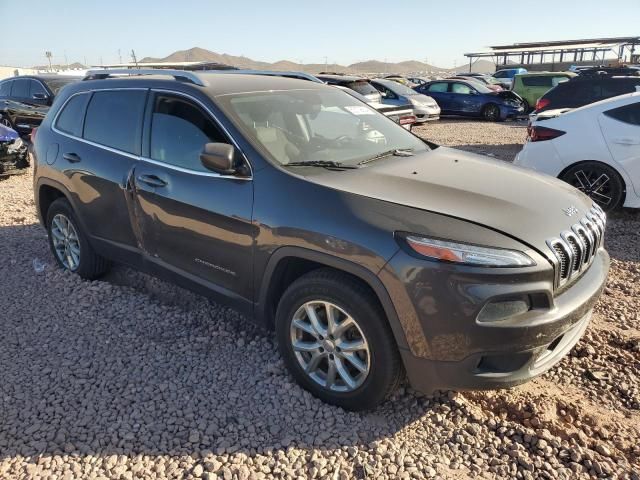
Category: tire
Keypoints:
(526, 107)
(602, 183)
(6, 121)
(491, 112)
(69, 243)
(345, 296)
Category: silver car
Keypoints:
(393, 93)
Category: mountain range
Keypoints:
(198, 54)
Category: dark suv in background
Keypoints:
(367, 250)
(585, 89)
(25, 100)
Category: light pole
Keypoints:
(49, 55)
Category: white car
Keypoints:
(595, 148)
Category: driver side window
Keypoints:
(461, 88)
(179, 131)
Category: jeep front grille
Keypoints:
(576, 248)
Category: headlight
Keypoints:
(467, 254)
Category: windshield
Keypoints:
(363, 87)
(479, 86)
(55, 84)
(315, 125)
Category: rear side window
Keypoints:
(179, 131)
(627, 114)
(5, 89)
(114, 119)
(20, 88)
(536, 81)
(438, 87)
(72, 115)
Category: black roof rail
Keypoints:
(179, 75)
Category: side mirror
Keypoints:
(219, 157)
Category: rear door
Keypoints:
(194, 222)
(5, 94)
(97, 156)
(621, 129)
(17, 106)
(439, 91)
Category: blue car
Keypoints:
(472, 99)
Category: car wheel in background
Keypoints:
(491, 112)
(598, 180)
(4, 120)
(525, 106)
(69, 244)
(336, 342)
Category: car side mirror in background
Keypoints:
(219, 157)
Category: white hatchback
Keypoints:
(595, 148)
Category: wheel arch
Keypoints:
(46, 192)
(289, 263)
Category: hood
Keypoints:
(521, 203)
(507, 95)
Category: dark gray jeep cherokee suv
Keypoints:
(369, 251)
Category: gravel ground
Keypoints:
(130, 377)
(501, 140)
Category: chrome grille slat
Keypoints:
(575, 249)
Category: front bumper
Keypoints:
(460, 353)
(507, 111)
(426, 114)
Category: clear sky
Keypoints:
(301, 30)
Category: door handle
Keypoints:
(71, 157)
(152, 180)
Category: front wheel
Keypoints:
(491, 112)
(598, 180)
(336, 342)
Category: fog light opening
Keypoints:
(503, 309)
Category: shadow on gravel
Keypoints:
(132, 365)
(622, 239)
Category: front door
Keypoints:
(193, 221)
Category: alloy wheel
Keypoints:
(66, 243)
(5, 121)
(330, 346)
(596, 184)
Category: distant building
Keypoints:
(6, 71)
(560, 55)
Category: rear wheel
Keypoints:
(598, 180)
(69, 244)
(491, 112)
(336, 342)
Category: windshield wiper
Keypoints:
(397, 152)
(319, 163)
